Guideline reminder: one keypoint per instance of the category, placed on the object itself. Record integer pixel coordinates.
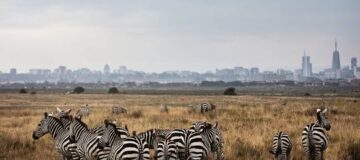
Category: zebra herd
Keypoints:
(74, 140)
(314, 139)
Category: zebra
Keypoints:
(165, 149)
(211, 136)
(118, 110)
(112, 133)
(84, 111)
(178, 136)
(281, 146)
(164, 108)
(202, 107)
(64, 116)
(314, 139)
(87, 142)
(196, 146)
(63, 144)
(129, 148)
(150, 136)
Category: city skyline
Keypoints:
(158, 36)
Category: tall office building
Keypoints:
(336, 58)
(306, 66)
(353, 65)
(106, 69)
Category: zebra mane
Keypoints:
(82, 123)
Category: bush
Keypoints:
(245, 150)
(33, 92)
(79, 90)
(22, 91)
(307, 94)
(230, 91)
(113, 90)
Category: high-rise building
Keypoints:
(306, 66)
(13, 71)
(353, 65)
(336, 58)
(106, 69)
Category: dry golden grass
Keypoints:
(247, 122)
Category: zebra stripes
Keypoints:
(212, 137)
(314, 139)
(63, 144)
(281, 146)
(196, 147)
(87, 142)
(202, 107)
(166, 149)
(131, 148)
(118, 110)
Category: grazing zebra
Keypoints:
(164, 108)
(202, 107)
(63, 144)
(165, 149)
(212, 137)
(281, 146)
(118, 110)
(84, 111)
(87, 142)
(314, 139)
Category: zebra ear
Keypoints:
(67, 111)
(46, 114)
(208, 125)
(318, 110)
(216, 125)
(58, 109)
(126, 127)
(325, 110)
(134, 133)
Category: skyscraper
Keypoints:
(353, 65)
(106, 69)
(336, 58)
(306, 66)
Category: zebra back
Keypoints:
(196, 147)
(165, 149)
(281, 146)
(130, 148)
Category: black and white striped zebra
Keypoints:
(281, 146)
(314, 139)
(112, 133)
(150, 136)
(118, 110)
(212, 137)
(87, 142)
(64, 116)
(196, 146)
(63, 144)
(84, 111)
(165, 149)
(202, 107)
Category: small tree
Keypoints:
(79, 90)
(113, 90)
(230, 91)
(22, 91)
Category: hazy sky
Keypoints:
(161, 35)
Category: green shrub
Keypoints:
(79, 90)
(113, 90)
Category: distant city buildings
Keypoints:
(122, 74)
(306, 66)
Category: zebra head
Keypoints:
(42, 127)
(77, 127)
(322, 119)
(109, 134)
(200, 126)
(64, 116)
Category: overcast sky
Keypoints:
(161, 35)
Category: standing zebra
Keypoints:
(87, 142)
(212, 137)
(84, 111)
(314, 139)
(165, 149)
(179, 137)
(164, 108)
(281, 146)
(63, 144)
(118, 110)
(150, 136)
(202, 107)
(196, 146)
(64, 116)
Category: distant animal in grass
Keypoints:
(202, 108)
(164, 108)
(118, 110)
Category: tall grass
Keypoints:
(247, 122)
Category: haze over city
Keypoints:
(156, 36)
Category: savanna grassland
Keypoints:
(247, 122)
